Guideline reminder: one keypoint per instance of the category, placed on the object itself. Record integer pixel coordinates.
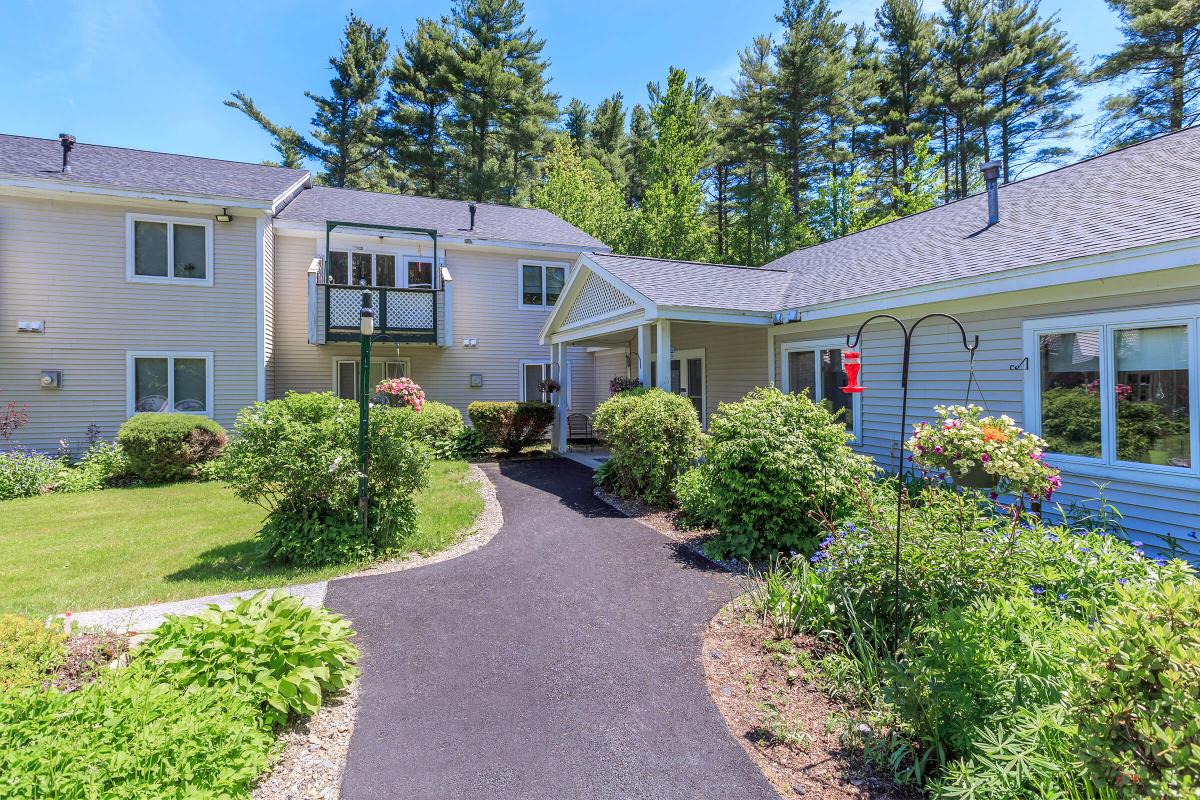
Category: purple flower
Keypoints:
(850, 528)
(1136, 543)
(1056, 481)
(1062, 596)
(985, 458)
(1161, 561)
(993, 495)
(938, 449)
(1122, 581)
(1038, 590)
(816, 557)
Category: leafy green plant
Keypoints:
(697, 503)
(653, 437)
(298, 458)
(127, 736)
(439, 424)
(102, 463)
(162, 448)
(775, 464)
(1137, 697)
(29, 651)
(510, 425)
(26, 473)
(467, 445)
(275, 651)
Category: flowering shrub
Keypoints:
(13, 417)
(963, 439)
(400, 393)
(623, 384)
(25, 473)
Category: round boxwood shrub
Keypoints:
(298, 458)
(653, 436)
(439, 423)
(162, 448)
(510, 425)
(773, 461)
(1137, 697)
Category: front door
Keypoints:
(687, 377)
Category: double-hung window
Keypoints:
(1116, 389)
(540, 283)
(817, 367)
(169, 381)
(345, 374)
(168, 249)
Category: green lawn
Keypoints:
(125, 547)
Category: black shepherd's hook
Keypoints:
(908, 336)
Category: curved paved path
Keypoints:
(561, 660)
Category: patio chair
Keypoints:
(579, 431)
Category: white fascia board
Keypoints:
(624, 322)
(702, 314)
(1151, 258)
(289, 227)
(288, 195)
(35, 186)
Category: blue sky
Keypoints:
(152, 75)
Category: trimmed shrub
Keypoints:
(1137, 699)
(509, 425)
(130, 735)
(162, 448)
(775, 464)
(29, 651)
(298, 458)
(25, 473)
(439, 423)
(275, 651)
(653, 437)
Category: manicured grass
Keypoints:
(126, 547)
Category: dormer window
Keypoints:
(168, 249)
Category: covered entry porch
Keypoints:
(699, 330)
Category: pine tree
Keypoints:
(754, 150)
(670, 220)
(905, 82)
(347, 139)
(719, 175)
(1032, 72)
(960, 57)
(417, 102)
(641, 134)
(583, 194)
(501, 106)
(1159, 62)
(577, 122)
(609, 140)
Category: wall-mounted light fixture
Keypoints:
(224, 216)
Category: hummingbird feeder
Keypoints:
(852, 364)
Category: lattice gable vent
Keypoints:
(597, 298)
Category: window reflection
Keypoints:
(1152, 395)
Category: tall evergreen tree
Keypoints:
(754, 149)
(418, 100)
(719, 175)
(905, 82)
(346, 138)
(1032, 73)
(1159, 63)
(577, 122)
(960, 57)
(609, 139)
(502, 108)
(641, 134)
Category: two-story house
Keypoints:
(136, 281)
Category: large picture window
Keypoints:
(817, 367)
(1117, 388)
(165, 382)
(540, 284)
(168, 250)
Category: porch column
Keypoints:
(559, 372)
(664, 354)
(643, 354)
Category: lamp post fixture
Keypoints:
(366, 330)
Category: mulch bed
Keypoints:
(87, 655)
(791, 729)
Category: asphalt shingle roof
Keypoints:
(142, 170)
(449, 217)
(691, 283)
(1142, 195)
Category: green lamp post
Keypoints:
(366, 330)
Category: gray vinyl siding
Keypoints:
(484, 307)
(64, 261)
(939, 375)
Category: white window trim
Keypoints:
(682, 357)
(402, 261)
(335, 360)
(817, 345)
(423, 259)
(1104, 466)
(530, 262)
(131, 384)
(132, 277)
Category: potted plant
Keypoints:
(981, 452)
(548, 387)
(400, 393)
(620, 383)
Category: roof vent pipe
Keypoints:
(991, 176)
(67, 141)
(471, 210)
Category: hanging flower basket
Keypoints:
(984, 453)
(549, 386)
(400, 393)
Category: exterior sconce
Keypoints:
(224, 216)
(852, 364)
(366, 317)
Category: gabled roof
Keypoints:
(96, 165)
(1145, 194)
(449, 217)
(698, 284)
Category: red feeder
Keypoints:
(852, 364)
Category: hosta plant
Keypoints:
(962, 440)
